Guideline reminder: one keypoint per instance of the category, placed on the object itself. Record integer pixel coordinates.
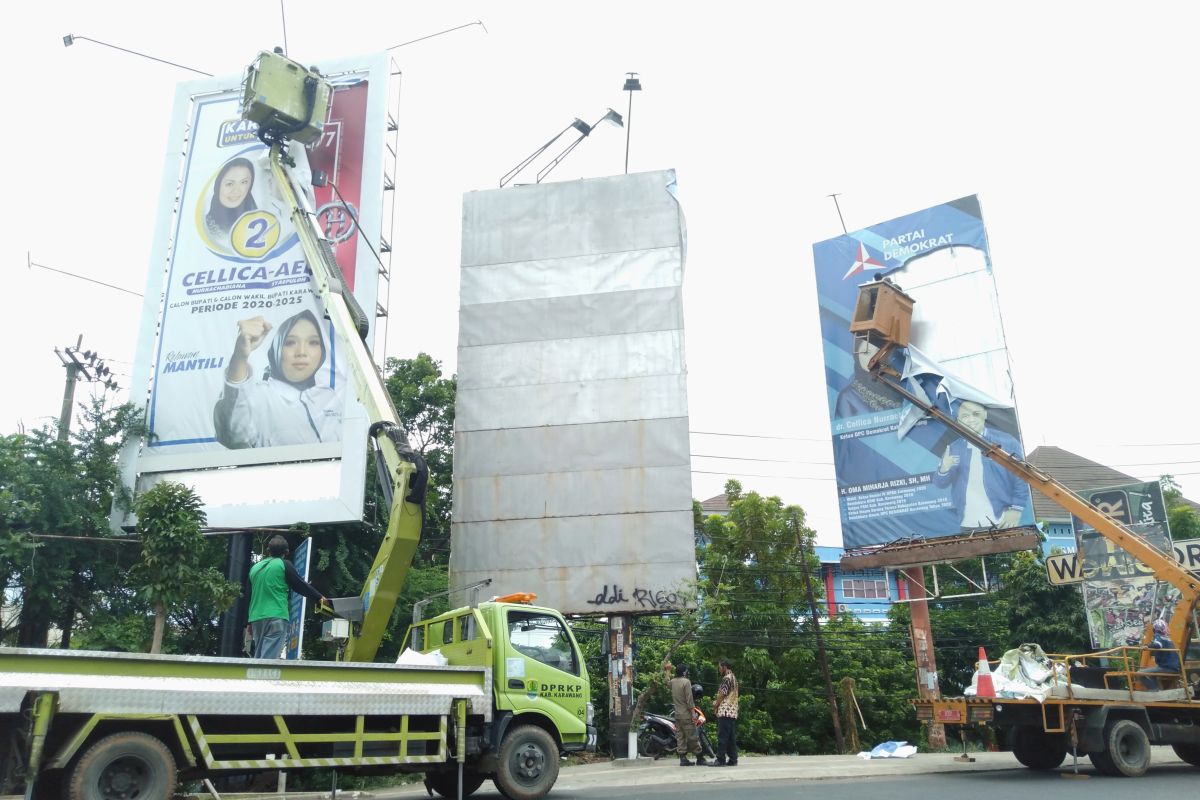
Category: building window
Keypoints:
(866, 589)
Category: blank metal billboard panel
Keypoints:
(572, 467)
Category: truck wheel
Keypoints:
(527, 766)
(49, 785)
(1103, 764)
(1037, 749)
(1128, 748)
(446, 783)
(123, 766)
(1188, 752)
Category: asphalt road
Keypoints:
(926, 775)
(1174, 780)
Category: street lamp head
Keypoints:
(612, 117)
(68, 40)
(632, 84)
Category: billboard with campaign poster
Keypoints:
(1120, 594)
(240, 366)
(899, 481)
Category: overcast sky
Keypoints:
(1073, 122)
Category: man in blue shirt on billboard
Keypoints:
(986, 493)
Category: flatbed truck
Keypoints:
(1099, 708)
(512, 698)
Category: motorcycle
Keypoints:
(656, 732)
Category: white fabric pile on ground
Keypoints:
(890, 750)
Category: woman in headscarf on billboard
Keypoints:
(286, 406)
(232, 196)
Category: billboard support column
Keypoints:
(922, 642)
(233, 620)
(620, 685)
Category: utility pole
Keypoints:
(620, 686)
(824, 662)
(85, 364)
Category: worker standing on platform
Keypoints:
(270, 580)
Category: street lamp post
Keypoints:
(632, 84)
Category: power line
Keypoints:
(758, 475)
(30, 264)
(758, 436)
(1160, 444)
(771, 460)
(1154, 463)
(439, 33)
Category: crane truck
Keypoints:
(512, 697)
(1101, 706)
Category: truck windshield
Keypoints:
(543, 638)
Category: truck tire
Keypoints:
(527, 765)
(1036, 749)
(1188, 752)
(1127, 746)
(1103, 764)
(123, 766)
(446, 783)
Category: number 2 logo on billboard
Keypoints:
(255, 234)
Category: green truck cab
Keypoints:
(541, 692)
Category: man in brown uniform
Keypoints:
(686, 740)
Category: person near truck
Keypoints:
(686, 740)
(726, 706)
(270, 580)
(1166, 657)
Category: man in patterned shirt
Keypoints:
(726, 705)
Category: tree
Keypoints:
(1051, 616)
(172, 572)
(1181, 517)
(424, 401)
(62, 489)
(343, 554)
(755, 563)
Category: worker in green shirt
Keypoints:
(270, 580)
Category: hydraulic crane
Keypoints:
(289, 104)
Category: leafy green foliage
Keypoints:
(1183, 520)
(424, 401)
(174, 572)
(343, 554)
(1051, 616)
(756, 567)
(62, 488)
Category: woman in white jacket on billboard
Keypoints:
(286, 406)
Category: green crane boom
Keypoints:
(288, 102)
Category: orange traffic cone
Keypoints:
(983, 684)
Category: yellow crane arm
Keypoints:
(1163, 564)
(406, 474)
